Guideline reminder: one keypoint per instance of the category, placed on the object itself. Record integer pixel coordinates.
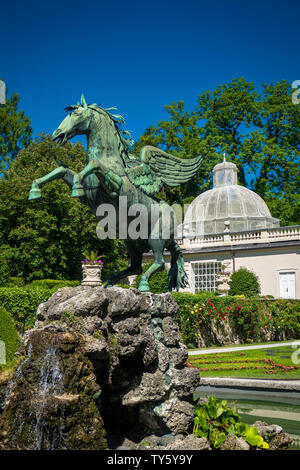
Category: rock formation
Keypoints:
(99, 365)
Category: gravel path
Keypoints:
(295, 343)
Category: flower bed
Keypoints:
(253, 363)
(205, 320)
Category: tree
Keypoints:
(15, 131)
(258, 131)
(47, 238)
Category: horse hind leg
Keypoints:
(158, 265)
(134, 268)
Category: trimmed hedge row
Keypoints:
(22, 302)
(53, 283)
(8, 334)
(255, 319)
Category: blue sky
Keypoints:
(140, 55)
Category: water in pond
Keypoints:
(282, 408)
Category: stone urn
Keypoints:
(91, 274)
(223, 281)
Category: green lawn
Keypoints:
(268, 363)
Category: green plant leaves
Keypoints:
(93, 256)
(214, 420)
(253, 438)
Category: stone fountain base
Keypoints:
(99, 365)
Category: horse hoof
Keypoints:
(107, 285)
(144, 286)
(77, 192)
(34, 193)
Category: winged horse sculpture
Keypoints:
(111, 172)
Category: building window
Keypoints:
(204, 276)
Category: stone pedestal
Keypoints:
(223, 282)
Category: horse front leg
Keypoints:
(111, 181)
(61, 172)
(158, 264)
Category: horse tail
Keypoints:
(177, 276)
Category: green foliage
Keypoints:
(214, 420)
(22, 303)
(45, 239)
(93, 256)
(254, 319)
(15, 131)
(259, 132)
(53, 283)
(9, 335)
(188, 327)
(4, 266)
(158, 282)
(244, 282)
(15, 282)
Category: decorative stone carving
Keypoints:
(223, 281)
(91, 275)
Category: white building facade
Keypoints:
(232, 226)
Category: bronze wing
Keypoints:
(157, 168)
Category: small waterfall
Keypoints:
(44, 413)
(49, 387)
(16, 377)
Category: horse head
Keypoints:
(76, 123)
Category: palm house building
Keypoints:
(231, 226)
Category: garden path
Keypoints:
(224, 349)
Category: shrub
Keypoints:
(187, 323)
(9, 335)
(254, 319)
(4, 269)
(244, 282)
(22, 303)
(54, 283)
(15, 281)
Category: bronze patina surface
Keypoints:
(110, 172)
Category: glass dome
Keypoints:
(228, 206)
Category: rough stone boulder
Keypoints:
(50, 401)
(99, 359)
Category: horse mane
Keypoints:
(117, 120)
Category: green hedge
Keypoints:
(252, 318)
(8, 334)
(22, 303)
(15, 282)
(54, 283)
